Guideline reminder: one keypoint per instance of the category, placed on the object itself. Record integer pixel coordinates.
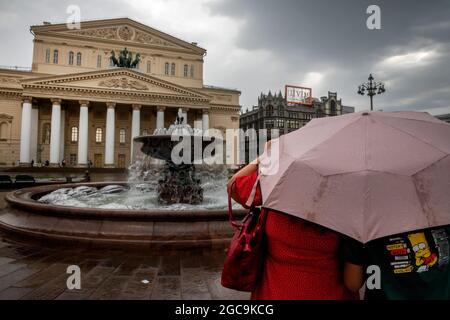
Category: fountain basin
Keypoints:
(25, 216)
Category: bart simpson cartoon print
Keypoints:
(424, 257)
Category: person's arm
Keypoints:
(353, 257)
(353, 276)
(245, 171)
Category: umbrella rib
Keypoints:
(405, 132)
(422, 120)
(440, 159)
(326, 139)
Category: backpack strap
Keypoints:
(249, 203)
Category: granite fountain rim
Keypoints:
(25, 199)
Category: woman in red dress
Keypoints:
(301, 261)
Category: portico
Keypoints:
(104, 123)
(87, 113)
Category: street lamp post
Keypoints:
(372, 88)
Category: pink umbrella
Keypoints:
(366, 174)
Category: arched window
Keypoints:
(280, 111)
(185, 70)
(46, 133)
(47, 55)
(55, 56)
(122, 136)
(172, 69)
(98, 135)
(269, 111)
(192, 71)
(79, 59)
(166, 69)
(3, 131)
(71, 57)
(74, 134)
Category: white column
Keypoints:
(110, 132)
(55, 134)
(83, 128)
(34, 132)
(205, 120)
(62, 131)
(25, 132)
(185, 111)
(135, 124)
(160, 118)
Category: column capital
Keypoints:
(84, 103)
(111, 105)
(185, 109)
(161, 108)
(56, 101)
(136, 106)
(205, 111)
(27, 99)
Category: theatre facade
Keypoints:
(74, 105)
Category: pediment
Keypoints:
(117, 79)
(125, 31)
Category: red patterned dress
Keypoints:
(301, 261)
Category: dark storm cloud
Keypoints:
(261, 45)
(321, 35)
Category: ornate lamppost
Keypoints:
(372, 88)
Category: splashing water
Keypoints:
(143, 181)
(140, 193)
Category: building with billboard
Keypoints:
(75, 104)
(289, 112)
(275, 111)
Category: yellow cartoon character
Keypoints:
(423, 254)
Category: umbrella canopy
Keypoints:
(366, 175)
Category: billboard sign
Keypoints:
(298, 95)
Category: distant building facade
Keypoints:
(444, 117)
(273, 112)
(75, 106)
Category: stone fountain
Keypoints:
(178, 206)
(180, 183)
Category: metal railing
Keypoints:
(16, 68)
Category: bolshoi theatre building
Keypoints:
(75, 105)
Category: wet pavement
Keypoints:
(35, 271)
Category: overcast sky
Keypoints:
(260, 45)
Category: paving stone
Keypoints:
(216, 289)
(14, 293)
(141, 285)
(15, 277)
(193, 284)
(50, 290)
(7, 268)
(110, 288)
(170, 266)
(43, 276)
(95, 277)
(167, 288)
(4, 260)
(31, 272)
